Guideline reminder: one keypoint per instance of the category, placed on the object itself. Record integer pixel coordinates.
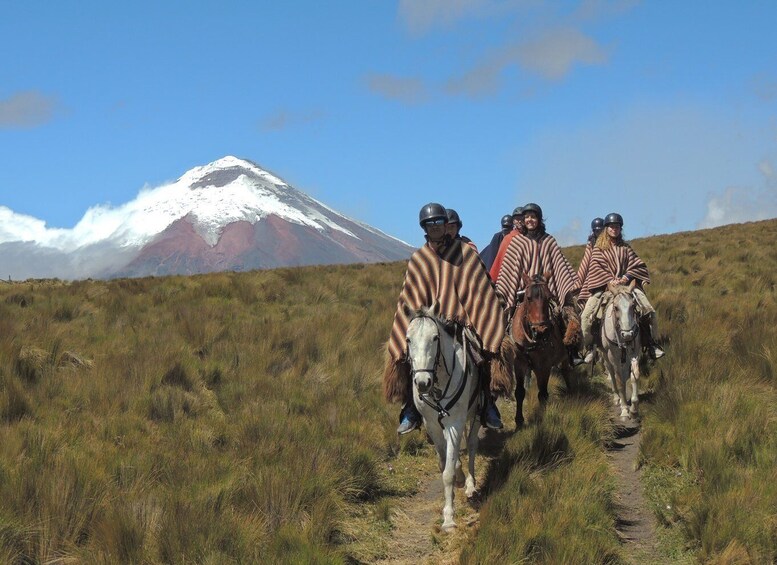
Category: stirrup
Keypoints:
(655, 352)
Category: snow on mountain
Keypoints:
(210, 198)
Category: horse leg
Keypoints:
(621, 371)
(543, 376)
(520, 394)
(472, 447)
(634, 409)
(453, 437)
(611, 369)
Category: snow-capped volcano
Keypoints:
(228, 215)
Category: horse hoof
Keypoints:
(446, 528)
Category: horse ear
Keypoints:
(434, 311)
(408, 311)
(610, 287)
(632, 284)
(547, 275)
(525, 278)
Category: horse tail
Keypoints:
(396, 380)
(502, 367)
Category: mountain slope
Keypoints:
(227, 215)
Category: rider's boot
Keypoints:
(409, 418)
(489, 417)
(650, 331)
(574, 356)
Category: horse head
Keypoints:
(536, 313)
(624, 311)
(423, 346)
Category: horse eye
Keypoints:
(436, 338)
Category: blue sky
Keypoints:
(663, 111)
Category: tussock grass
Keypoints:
(237, 417)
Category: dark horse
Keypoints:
(539, 337)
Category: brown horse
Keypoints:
(539, 337)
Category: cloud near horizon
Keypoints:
(737, 204)
(419, 16)
(27, 109)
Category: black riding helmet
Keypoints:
(453, 217)
(597, 224)
(613, 218)
(532, 207)
(507, 221)
(432, 211)
(518, 211)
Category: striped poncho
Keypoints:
(459, 282)
(534, 257)
(613, 263)
(585, 264)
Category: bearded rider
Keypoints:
(447, 271)
(453, 228)
(614, 261)
(534, 254)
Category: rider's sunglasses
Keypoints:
(437, 222)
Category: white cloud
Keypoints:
(283, 119)
(26, 110)
(553, 54)
(573, 233)
(655, 164)
(407, 90)
(420, 16)
(744, 204)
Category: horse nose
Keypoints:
(424, 383)
(627, 336)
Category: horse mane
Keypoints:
(450, 326)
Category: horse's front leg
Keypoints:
(622, 371)
(452, 438)
(472, 447)
(612, 371)
(634, 408)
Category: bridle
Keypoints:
(436, 395)
(619, 333)
(533, 330)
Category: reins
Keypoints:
(435, 396)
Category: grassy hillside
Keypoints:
(233, 417)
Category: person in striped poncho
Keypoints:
(597, 225)
(449, 272)
(613, 260)
(453, 228)
(535, 253)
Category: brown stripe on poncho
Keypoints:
(613, 263)
(459, 282)
(585, 264)
(534, 257)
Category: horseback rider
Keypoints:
(449, 272)
(453, 228)
(597, 225)
(518, 219)
(533, 254)
(518, 229)
(614, 260)
(489, 251)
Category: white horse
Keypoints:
(445, 391)
(621, 347)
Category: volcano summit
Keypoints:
(227, 215)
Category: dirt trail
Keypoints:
(416, 537)
(636, 523)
